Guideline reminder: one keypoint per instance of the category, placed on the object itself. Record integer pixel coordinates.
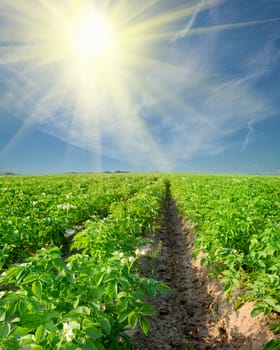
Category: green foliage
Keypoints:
(237, 228)
(37, 211)
(89, 299)
(273, 344)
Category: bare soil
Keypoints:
(195, 314)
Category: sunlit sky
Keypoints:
(173, 86)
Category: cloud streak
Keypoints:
(222, 27)
(208, 109)
(162, 108)
(185, 31)
(248, 136)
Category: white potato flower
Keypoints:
(131, 259)
(68, 331)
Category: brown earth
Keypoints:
(195, 314)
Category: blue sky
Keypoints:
(194, 87)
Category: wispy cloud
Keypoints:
(208, 108)
(161, 109)
(194, 110)
(222, 27)
(181, 34)
(248, 136)
(263, 61)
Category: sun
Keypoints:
(89, 46)
(87, 71)
(92, 37)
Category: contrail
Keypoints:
(185, 31)
(249, 133)
(227, 26)
(167, 35)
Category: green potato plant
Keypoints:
(92, 298)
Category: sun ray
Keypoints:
(136, 140)
(160, 21)
(185, 114)
(97, 58)
(129, 11)
(39, 103)
(152, 37)
(43, 109)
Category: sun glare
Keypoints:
(86, 68)
(93, 36)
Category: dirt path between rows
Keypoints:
(195, 314)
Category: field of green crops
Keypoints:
(237, 226)
(70, 244)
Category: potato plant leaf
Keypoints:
(5, 330)
(132, 319)
(37, 289)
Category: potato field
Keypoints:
(92, 261)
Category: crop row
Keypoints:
(91, 299)
(237, 225)
(37, 211)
